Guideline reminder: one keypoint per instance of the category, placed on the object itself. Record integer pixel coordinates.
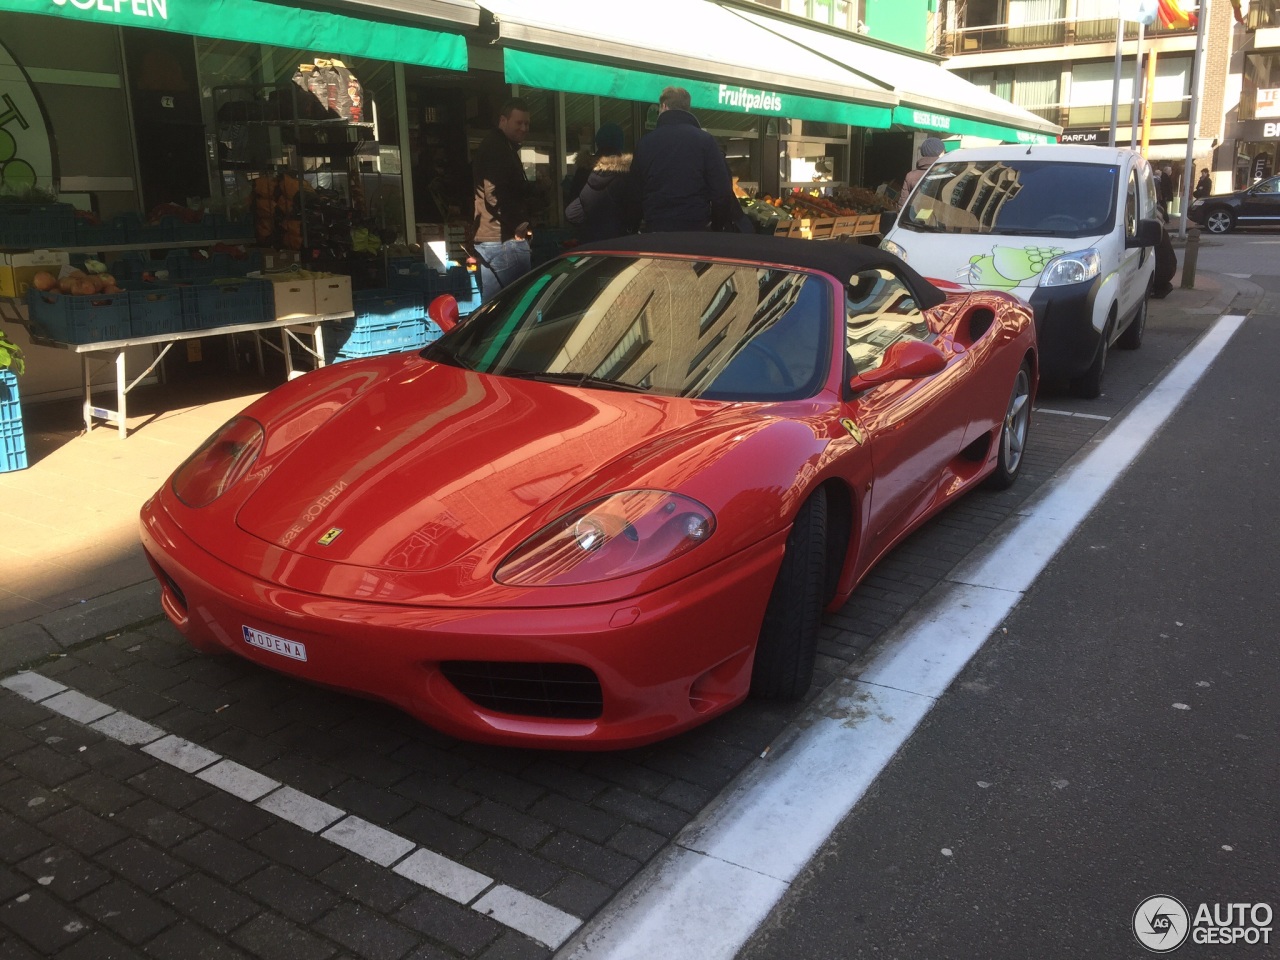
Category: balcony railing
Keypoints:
(1048, 33)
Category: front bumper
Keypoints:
(1067, 338)
(666, 661)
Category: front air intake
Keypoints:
(563, 691)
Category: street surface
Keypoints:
(1115, 739)
(398, 842)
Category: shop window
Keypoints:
(812, 164)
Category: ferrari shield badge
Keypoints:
(855, 431)
(330, 535)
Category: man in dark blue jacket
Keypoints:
(679, 177)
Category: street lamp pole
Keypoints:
(1197, 70)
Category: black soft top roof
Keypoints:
(841, 260)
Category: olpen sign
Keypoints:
(148, 9)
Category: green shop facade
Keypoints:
(125, 106)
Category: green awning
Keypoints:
(258, 22)
(946, 124)
(576, 76)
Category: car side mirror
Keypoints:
(1148, 234)
(444, 311)
(904, 360)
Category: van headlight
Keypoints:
(888, 246)
(1074, 267)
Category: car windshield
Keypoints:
(1027, 198)
(660, 325)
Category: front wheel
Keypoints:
(788, 644)
(1089, 384)
(1013, 432)
(1220, 221)
(1131, 339)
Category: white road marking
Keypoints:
(548, 925)
(368, 840)
(1071, 413)
(705, 894)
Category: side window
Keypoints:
(879, 311)
(1132, 206)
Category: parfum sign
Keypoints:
(140, 9)
(26, 154)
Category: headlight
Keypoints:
(222, 460)
(888, 246)
(615, 536)
(1072, 268)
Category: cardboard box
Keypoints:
(294, 297)
(333, 295)
(17, 269)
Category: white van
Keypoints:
(1070, 229)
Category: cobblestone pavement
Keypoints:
(155, 802)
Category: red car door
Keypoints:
(912, 427)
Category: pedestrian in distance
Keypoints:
(679, 176)
(1204, 186)
(600, 209)
(930, 151)
(1164, 189)
(503, 201)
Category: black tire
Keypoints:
(1013, 432)
(1131, 339)
(788, 644)
(1219, 220)
(1089, 384)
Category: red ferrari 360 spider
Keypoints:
(612, 502)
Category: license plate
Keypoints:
(273, 644)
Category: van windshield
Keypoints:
(1027, 198)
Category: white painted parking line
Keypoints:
(548, 925)
(704, 896)
(529, 915)
(1071, 413)
(238, 780)
(368, 840)
(301, 810)
(442, 875)
(127, 729)
(183, 754)
(33, 686)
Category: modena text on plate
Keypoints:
(273, 644)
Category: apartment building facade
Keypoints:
(1056, 58)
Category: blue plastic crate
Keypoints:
(387, 305)
(37, 225)
(138, 232)
(352, 339)
(98, 234)
(155, 309)
(92, 318)
(218, 264)
(419, 277)
(206, 305)
(13, 441)
(131, 269)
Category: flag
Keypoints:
(1177, 14)
(1235, 6)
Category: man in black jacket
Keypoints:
(502, 201)
(679, 177)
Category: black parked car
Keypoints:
(1255, 206)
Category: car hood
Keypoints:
(985, 261)
(424, 466)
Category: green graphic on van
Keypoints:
(1006, 267)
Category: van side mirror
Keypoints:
(444, 311)
(1149, 233)
(904, 360)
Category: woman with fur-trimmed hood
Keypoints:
(599, 212)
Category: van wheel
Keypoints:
(788, 644)
(1089, 384)
(1131, 339)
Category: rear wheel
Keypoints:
(788, 643)
(1089, 384)
(1013, 433)
(1220, 220)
